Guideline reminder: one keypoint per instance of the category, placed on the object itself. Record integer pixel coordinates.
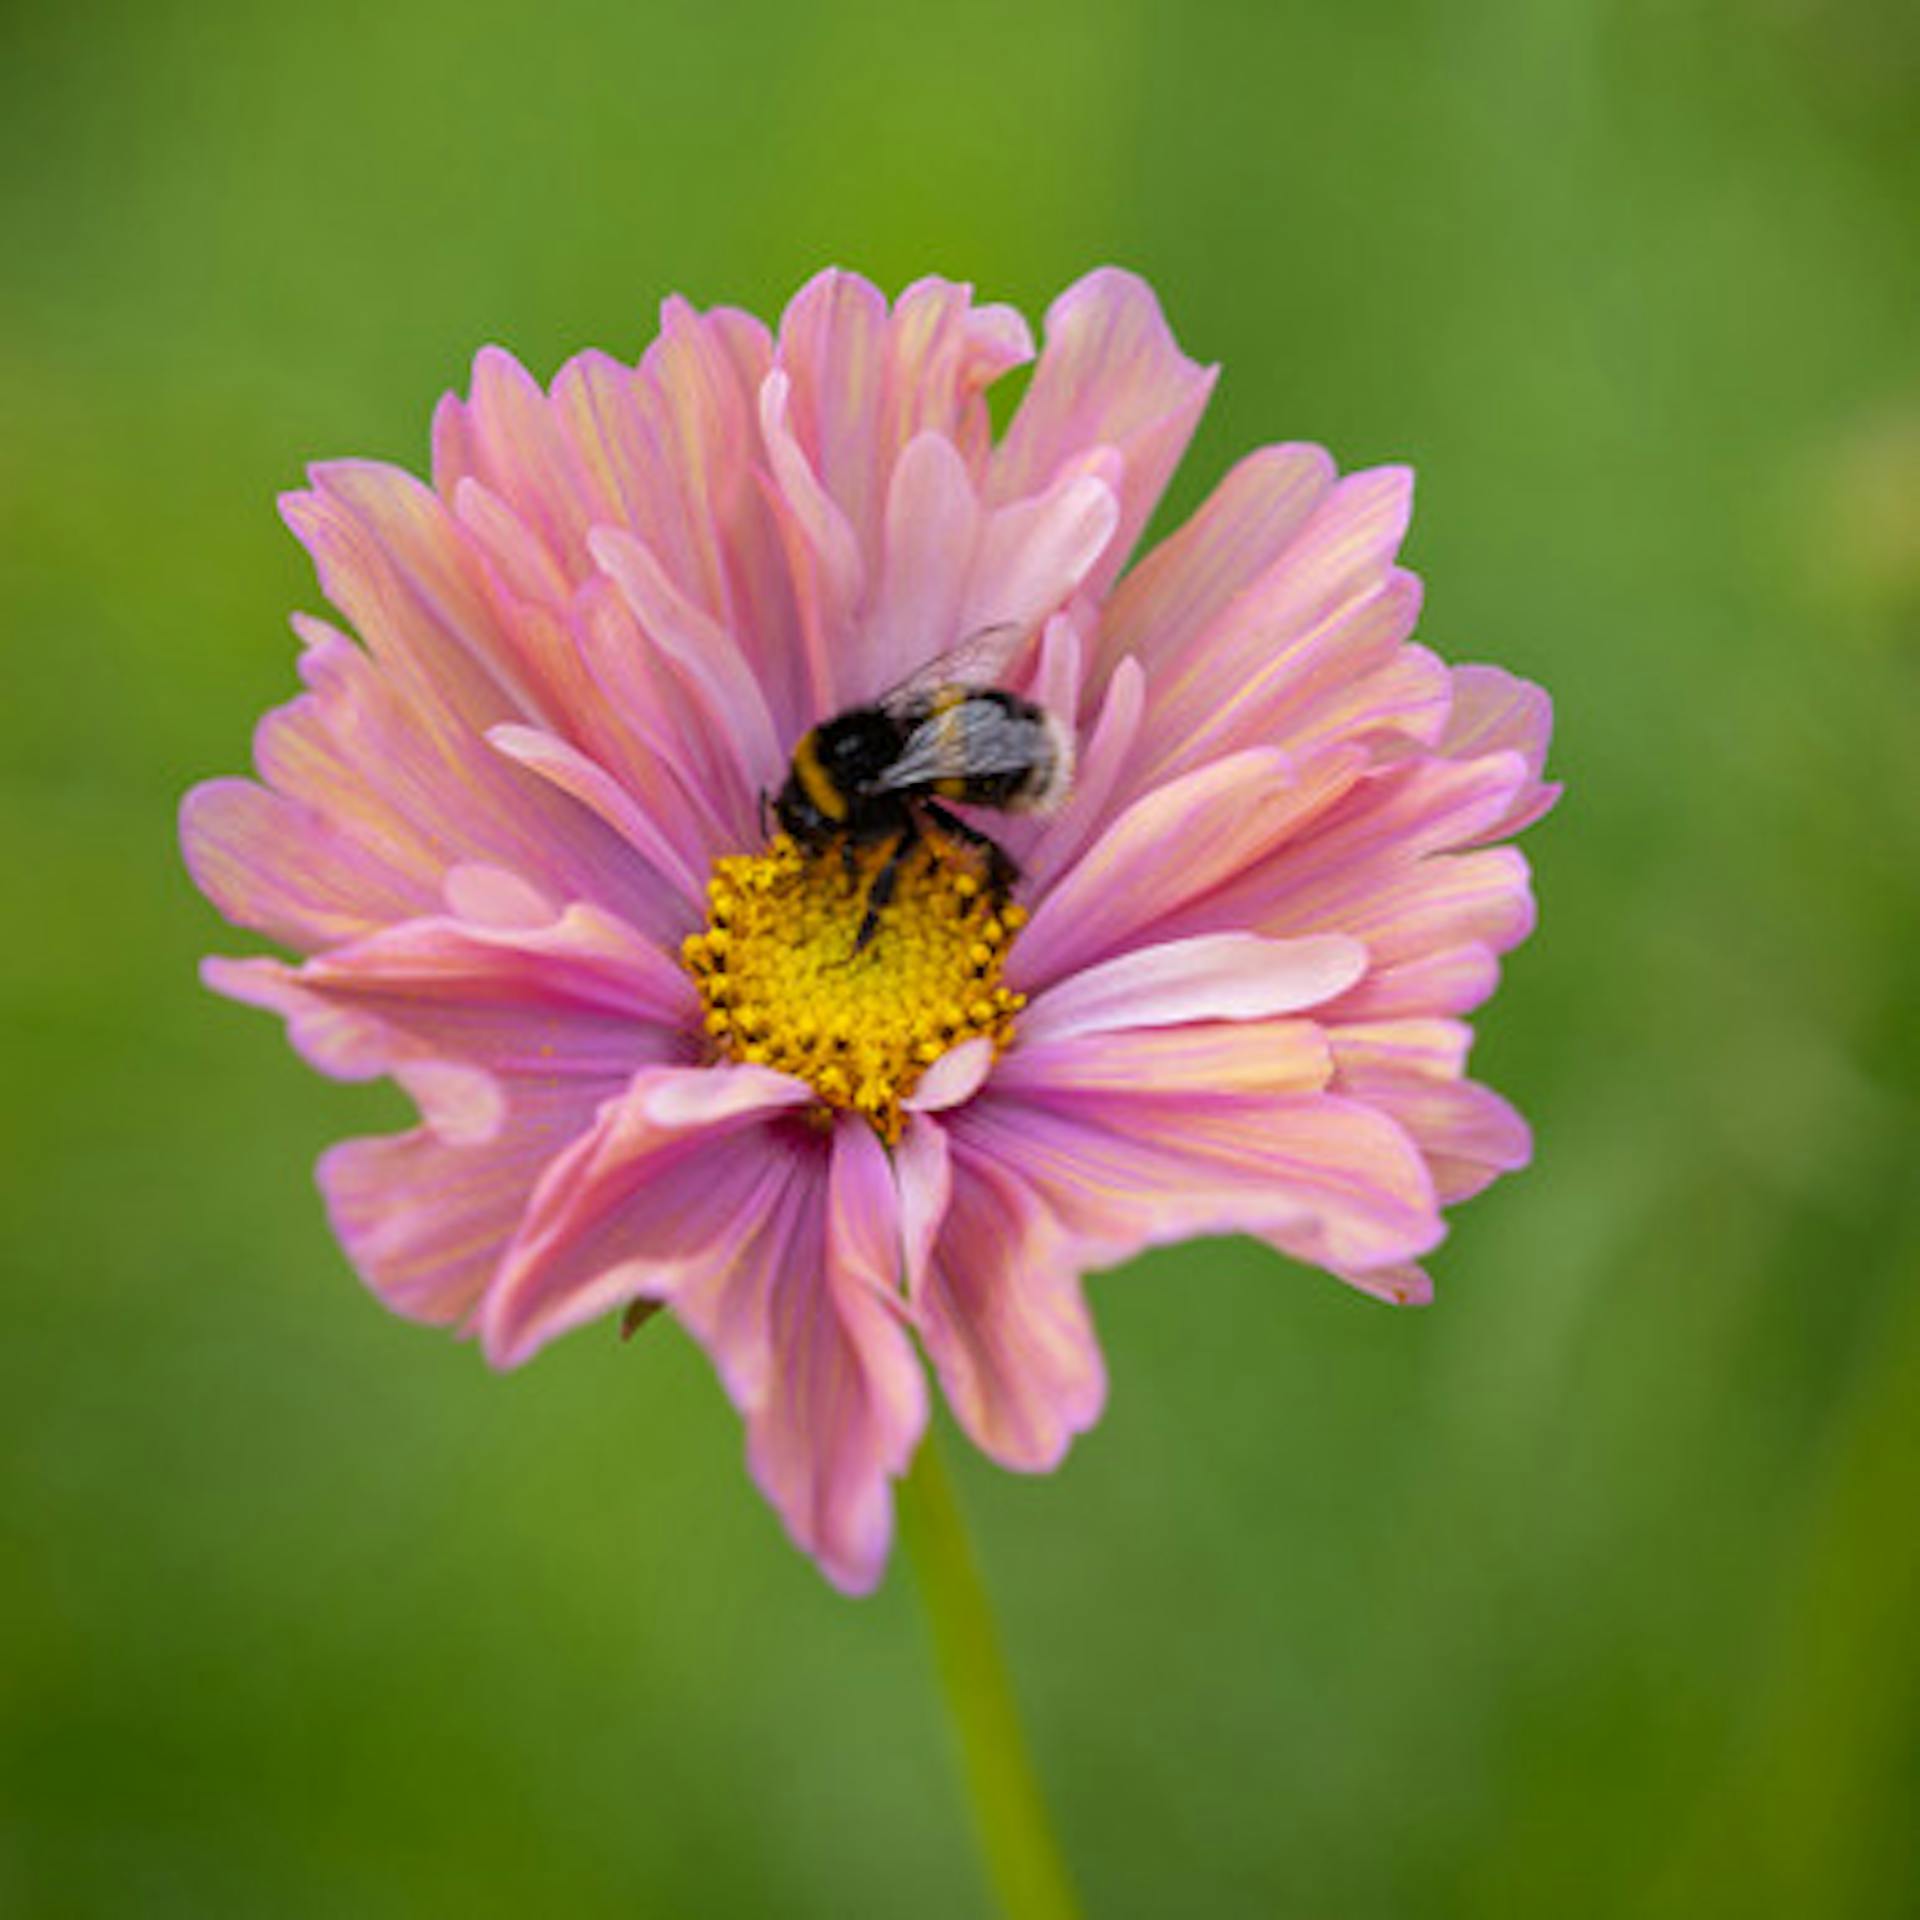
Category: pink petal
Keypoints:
(1005, 1324)
(1398, 1286)
(1450, 981)
(1348, 868)
(1103, 759)
(236, 837)
(389, 745)
(823, 551)
(1411, 1069)
(954, 1078)
(590, 784)
(1166, 850)
(1223, 976)
(583, 997)
(865, 382)
(425, 1221)
(1035, 552)
(1328, 1180)
(1181, 586)
(392, 558)
(656, 733)
(832, 351)
(507, 438)
(1110, 374)
(847, 1403)
(944, 353)
(495, 897)
(640, 1200)
(1496, 712)
(718, 679)
(1202, 1058)
(932, 532)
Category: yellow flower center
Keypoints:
(784, 986)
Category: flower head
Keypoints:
(829, 1103)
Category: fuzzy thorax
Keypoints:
(784, 986)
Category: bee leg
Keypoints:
(880, 894)
(1002, 869)
(766, 830)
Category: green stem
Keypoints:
(1010, 1818)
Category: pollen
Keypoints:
(784, 986)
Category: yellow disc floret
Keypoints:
(785, 985)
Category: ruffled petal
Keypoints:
(847, 1404)
(1328, 1180)
(658, 1189)
(1005, 1323)
(425, 1219)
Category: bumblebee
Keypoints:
(877, 775)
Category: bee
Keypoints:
(878, 775)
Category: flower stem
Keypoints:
(1010, 1818)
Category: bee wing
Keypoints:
(977, 661)
(996, 742)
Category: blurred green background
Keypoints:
(1593, 1590)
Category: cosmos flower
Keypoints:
(516, 829)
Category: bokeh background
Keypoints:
(1592, 1590)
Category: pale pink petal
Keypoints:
(1278, 678)
(1483, 898)
(1109, 375)
(866, 381)
(847, 1405)
(955, 1077)
(1004, 1321)
(833, 352)
(923, 1169)
(1223, 976)
(495, 897)
(524, 564)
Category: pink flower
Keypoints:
(515, 830)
